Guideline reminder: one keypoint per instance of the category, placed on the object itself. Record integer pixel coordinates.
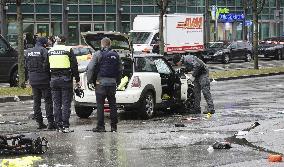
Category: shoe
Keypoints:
(99, 129)
(41, 126)
(113, 128)
(207, 112)
(66, 130)
(59, 129)
(51, 126)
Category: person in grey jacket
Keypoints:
(200, 79)
(104, 71)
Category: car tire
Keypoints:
(248, 57)
(14, 79)
(279, 55)
(83, 111)
(146, 109)
(226, 59)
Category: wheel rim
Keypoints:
(248, 57)
(149, 107)
(226, 58)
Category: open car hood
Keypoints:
(119, 40)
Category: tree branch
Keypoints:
(261, 7)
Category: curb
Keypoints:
(249, 76)
(15, 98)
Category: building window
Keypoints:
(99, 9)
(126, 9)
(148, 2)
(56, 17)
(42, 8)
(56, 28)
(73, 17)
(148, 9)
(181, 2)
(110, 26)
(110, 9)
(72, 2)
(231, 2)
(99, 2)
(28, 17)
(125, 26)
(42, 17)
(85, 17)
(73, 8)
(110, 2)
(85, 8)
(181, 9)
(42, 1)
(110, 17)
(136, 9)
(73, 33)
(27, 8)
(85, 1)
(99, 17)
(136, 2)
(56, 1)
(125, 2)
(56, 8)
(125, 17)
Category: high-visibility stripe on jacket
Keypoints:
(59, 57)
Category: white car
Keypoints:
(150, 81)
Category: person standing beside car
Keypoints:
(63, 67)
(36, 62)
(200, 79)
(104, 71)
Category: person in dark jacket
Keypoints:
(104, 71)
(200, 79)
(36, 62)
(63, 67)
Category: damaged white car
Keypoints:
(149, 82)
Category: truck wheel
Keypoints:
(83, 111)
(226, 59)
(146, 109)
(14, 79)
(278, 55)
(248, 57)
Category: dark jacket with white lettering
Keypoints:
(36, 63)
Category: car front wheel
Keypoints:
(146, 109)
(83, 111)
(14, 79)
(278, 55)
(226, 59)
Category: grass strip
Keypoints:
(242, 72)
(15, 91)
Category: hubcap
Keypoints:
(149, 105)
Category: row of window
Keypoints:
(271, 3)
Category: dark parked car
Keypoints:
(237, 50)
(8, 61)
(211, 48)
(272, 48)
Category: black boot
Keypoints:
(113, 128)
(41, 125)
(51, 126)
(99, 129)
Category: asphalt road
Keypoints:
(157, 142)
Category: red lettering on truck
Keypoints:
(191, 23)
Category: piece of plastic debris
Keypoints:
(190, 118)
(182, 137)
(277, 130)
(242, 133)
(274, 158)
(222, 145)
(16, 98)
(179, 125)
(210, 149)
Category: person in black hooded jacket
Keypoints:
(36, 62)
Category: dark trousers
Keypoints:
(38, 93)
(62, 98)
(202, 83)
(103, 92)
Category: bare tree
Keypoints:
(162, 5)
(257, 6)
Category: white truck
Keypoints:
(152, 82)
(183, 33)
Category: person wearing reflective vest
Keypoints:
(104, 70)
(63, 67)
(36, 63)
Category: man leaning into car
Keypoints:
(200, 79)
(104, 71)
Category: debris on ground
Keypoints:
(12, 122)
(16, 98)
(180, 125)
(246, 130)
(275, 158)
(210, 149)
(222, 145)
(190, 118)
(280, 112)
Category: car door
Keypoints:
(168, 77)
(233, 50)
(8, 58)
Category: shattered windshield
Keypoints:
(140, 37)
